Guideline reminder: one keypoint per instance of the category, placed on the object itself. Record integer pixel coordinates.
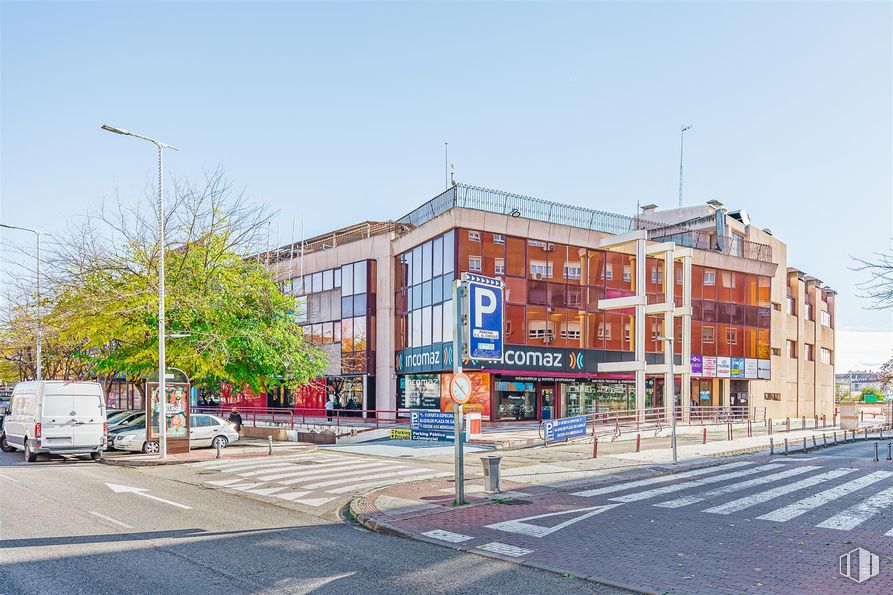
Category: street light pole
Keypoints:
(39, 312)
(671, 389)
(162, 368)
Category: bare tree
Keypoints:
(878, 288)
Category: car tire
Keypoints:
(6, 446)
(151, 448)
(96, 456)
(30, 456)
(221, 441)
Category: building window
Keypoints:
(775, 351)
(540, 269)
(500, 266)
(604, 331)
(709, 277)
(826, 356)
(732, 335)
(809, 352)
(772, 396)
(627, 276)
(498, 238)
(792, 349)
(572, 271)
(707, 334)
(540, 329)
(474, 264)
(776, 306)
(826, 318)
(626, 331)
(790, 307)
(474, 236)
(608, 272)
(570, 330)
(807, 310)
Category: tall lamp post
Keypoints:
(671, 389)
(162, 371)
(37, 234)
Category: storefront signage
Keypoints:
(401, 434)
(737, 367)
(763, 369)
(480, 394)
(432, 425)
(433, 358)
(420, 391)
(751, 368)
(483, 325)
(564, 428)
(543, 359)
(723, 367)
(705, 395)
(709, 367)
(696, 365)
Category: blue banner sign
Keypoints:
(564, 428)
(432, 425)
(484, 324)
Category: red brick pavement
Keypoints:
(653, 549)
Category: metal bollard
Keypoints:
(269, 445)
(595, 447)
(875, 453)
(770, 427)
(804, 422)
(824, 439)
(823, 421)
(866, 433)
(835, 437)
(705, 435)
(730, 431)
(815, 425)
(638, 442)
(217, 444)
(814, 445)
(491, 473)
(890, 451)
(749, 430)
(804, 443)
(787, 424)
(771, 446)
(785, 447)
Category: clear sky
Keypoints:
(338, 112)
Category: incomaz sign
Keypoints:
(482, 326)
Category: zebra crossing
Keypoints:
(841, 499)
(312, 479)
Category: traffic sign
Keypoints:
(460, 388)
(482, 327)
(433, 425)
(564, 428)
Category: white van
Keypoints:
(56, 417)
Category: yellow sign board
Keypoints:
(401, 434)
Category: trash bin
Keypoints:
(491, 473)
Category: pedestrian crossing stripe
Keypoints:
(735, 487)
(661, 479)
(636, 496)
(803, 506)
(304, 470)
(323, 484)
(354, 470)
(754, 499)
(859, 513)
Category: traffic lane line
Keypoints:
(110, 519)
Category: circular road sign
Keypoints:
(460, 388)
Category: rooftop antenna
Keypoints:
(446, 159)
(303, 289)
(682, 132)
(453, 174)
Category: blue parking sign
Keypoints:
(483, 325)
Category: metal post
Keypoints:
(771, 446)
(162, 367)
(459, 471)
(269, 445)
(595, 447)
(39, 311)
(890, 451)
(786, 447)
(638, 442)
(876, 459)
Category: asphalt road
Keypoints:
(63, 529)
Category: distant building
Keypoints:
(854, 381)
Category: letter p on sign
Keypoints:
(485, 303)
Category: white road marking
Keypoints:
(354, 470)
(291, 495)
(636, 496)
(376, 484)
(519, 526)
(306, 470)
(110, 519)
(794, 459)
(803, 506)
(223, 482)
(314, 501)
(270, 469)
(663, 478)
(322, 484)
(505, 549)
(861, 512)
(118, 489)
(245, 464)
(9, 478)
(266, 491)
(735, 487)
(447, 536)
(759, 498)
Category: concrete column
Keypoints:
(686, 336)
(725, 391)
(640, 323)
(669, 317)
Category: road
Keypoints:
(64, 528)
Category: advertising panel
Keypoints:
(763, 369)
(420, 391)
(432, 425)
(563, 429)
(723, 367)
(176, 410)
(737, 367)
(696, 365)
(480, 394)
(750, 368)
(709, 367)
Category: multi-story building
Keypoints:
(589, 305)
(852, 383)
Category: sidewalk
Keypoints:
(244, 448)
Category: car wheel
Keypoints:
(219, 442)
(30, 456)
(150, 448)
(96, 456)
(6, 446)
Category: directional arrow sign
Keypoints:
(119, 489)
(519, 526)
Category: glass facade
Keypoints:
(423, 300)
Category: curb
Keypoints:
(125, 462)
(366, 520)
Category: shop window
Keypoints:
(474, 236)
(474, 264)
(499, 266)
(707, 334)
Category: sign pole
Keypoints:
(457, 408)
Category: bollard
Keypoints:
(824, 439)
(823, 421)
(861, 416)
(595, 447)
(835, 437)
(804, 423)
(705, 436)
(749, 430)
(882, 432)
(785, 447)
(269, 445)
(770, 427)
(217, 444)
(890, 451)
(814, 445)
(787, 424)
(730, 431)
(866, 433)
(491, 474)
(815, 424)
(771, 446)
(638, 442)
(875, 453)
(804, 443)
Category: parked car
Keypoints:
(56, 417)
(124, 419)
(206, 430)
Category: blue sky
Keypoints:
(339, 111)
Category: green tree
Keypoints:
(870, 390)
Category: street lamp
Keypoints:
(671, 389)
(162, 381)
(37, 234)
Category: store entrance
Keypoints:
(548, 404)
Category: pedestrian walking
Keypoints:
(330, 408)
(235, 419)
